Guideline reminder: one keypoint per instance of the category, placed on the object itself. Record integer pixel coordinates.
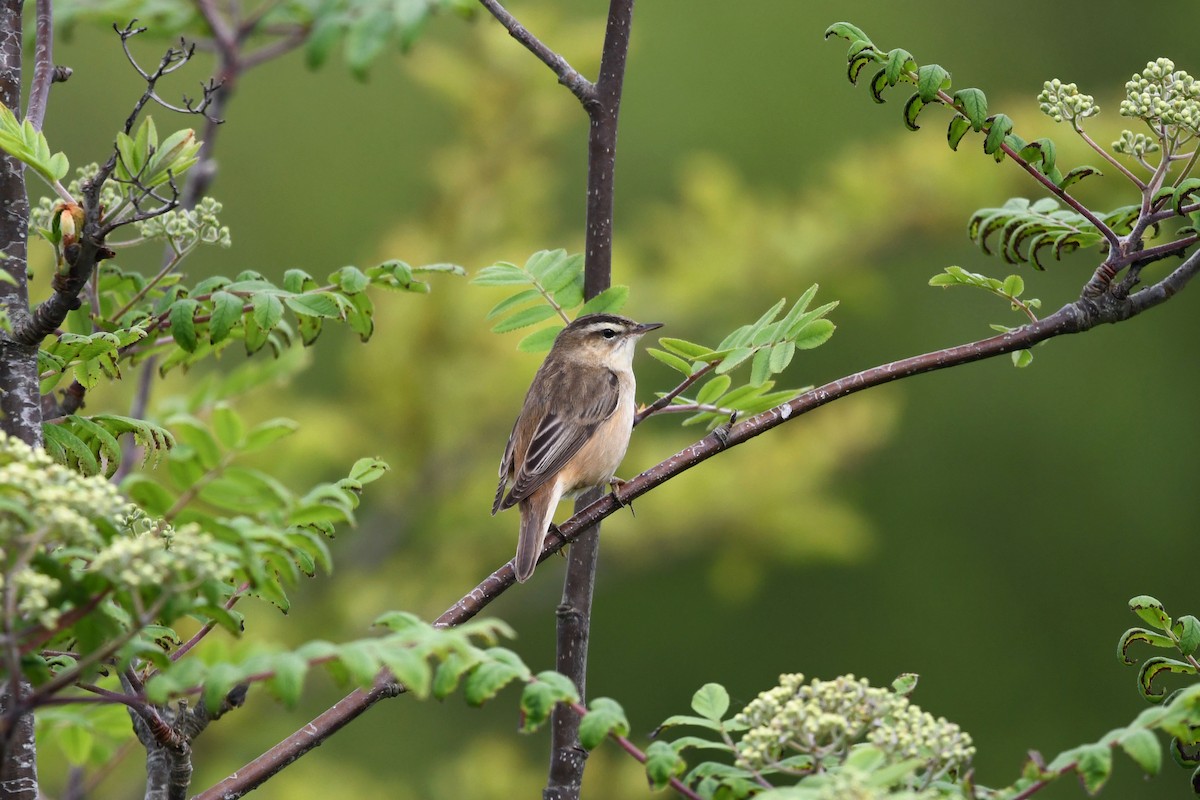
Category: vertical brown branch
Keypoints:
(567, 757)
(20, 406)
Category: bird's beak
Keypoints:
(646, 327)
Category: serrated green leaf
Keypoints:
(524, 318)
(1187, 631)
(226, 312)
(899, 62)
(513, 301)
(502, 274)
(973, 105)
(540, 340)
(1094, 765)
(931, 79)
(183, 323)
(317, 304)
(1144, 748)
(487, 679)
(781, 356)
(604, 716)
(662, 764)
(999, 126)
(610, 301)
(412, 670)
(847, 31)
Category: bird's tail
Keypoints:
(536, 512)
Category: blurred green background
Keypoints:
(983, 527)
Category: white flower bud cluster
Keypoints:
(81, 526)
(187, 227)
(1134, 144)
(1162, 94)
(1063, 102)
(823, 719)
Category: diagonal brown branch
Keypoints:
(1073, 318)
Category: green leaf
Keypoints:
(998, 127)
(1144, 748)
(1187, 631)
(684, 348)
(450, 672)
(610, 301)
(500, 669)
(524, 318)
(847, 31)
(267, 310)
(76, 742)
(267, 432)
(540, 340)
(959, 125)
(319, 304)
(1151, 611)
(1094, 765)
(227, 311)
(1022, 358)
(662, 764)
(541, 696)
(512, 301)
(350, 279)
(973, 105)
(814, 334)
(911, 110)
(287, 683)
(368, 470)
(366, 38)
(711, 701)
(183, 324)
(228, 426)
(905, 683)
(502, 274)
(760, 367)
(1014, 286)
(713, 389)
(1141, 636)
(671, 360)
(410, 669)
(1155, 667)
(899, 62)
(781, 356)
(1078, 174)
(931, 79)
(604, 716)
(735, 358)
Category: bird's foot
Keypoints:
(616, 483)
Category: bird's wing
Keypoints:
(505, 469)
(580, 408)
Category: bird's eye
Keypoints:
(608, 333)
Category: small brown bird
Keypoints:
(574, 427)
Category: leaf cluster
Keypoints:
(768, 345)
(1024, 229)
(550, 284)
(932, 84)
(271, 534)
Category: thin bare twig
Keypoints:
(568, 76)
(43, 65)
